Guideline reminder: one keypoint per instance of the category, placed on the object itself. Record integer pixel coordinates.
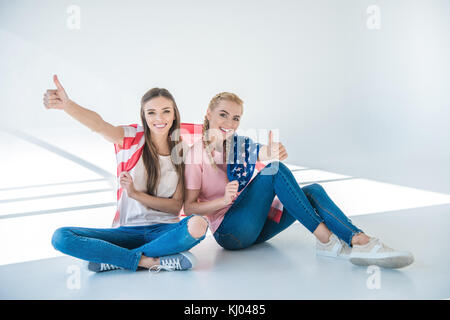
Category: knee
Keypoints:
(229, 242)
(274, 167)
(282, 166)
(197, 226)
(313, 188)
(59, 238)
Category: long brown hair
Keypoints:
(212, 105)
(149, 152)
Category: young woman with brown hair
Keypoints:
(147, 231)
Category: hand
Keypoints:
(274, 150)
(56, 99)
(230, 192)
(126, 182)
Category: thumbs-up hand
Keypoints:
(273, 150)
(270, 144)
(56, 99)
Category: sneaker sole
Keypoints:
(332, 255)
(386, 261)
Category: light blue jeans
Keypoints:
(124, 246)
(246, 222)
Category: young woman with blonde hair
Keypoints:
(222, 184)
(147, 231)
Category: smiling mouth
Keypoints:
(225, 130)
(160, 126)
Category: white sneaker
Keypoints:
(334, 248)
(377, 253)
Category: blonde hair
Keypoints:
(227, 96)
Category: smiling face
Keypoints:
(225, 118)
(159, 115)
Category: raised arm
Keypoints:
(58, 99)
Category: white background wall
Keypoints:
(370, 103)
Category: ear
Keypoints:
(208, 114)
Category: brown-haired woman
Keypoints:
(147, 231)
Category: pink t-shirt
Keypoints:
(200, 174)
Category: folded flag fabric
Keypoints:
(127, 156)
(243, 163)
(242, 160)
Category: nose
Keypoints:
(158, 117)
(228, 123)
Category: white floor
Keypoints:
(52, 180)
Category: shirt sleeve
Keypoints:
(193, 170)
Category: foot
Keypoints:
(100, 267)
(180, 261)
(377, 253)
(334, 248)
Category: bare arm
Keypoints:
(170, 205)
(58, 99)
(94, 121)
(192, 206)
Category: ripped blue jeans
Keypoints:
(246, 222)
(124, 246)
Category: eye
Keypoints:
(151, 112)
(236, 119)
(223, 115)
(166, 111)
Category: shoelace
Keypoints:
(169, 264)
(381, 246)
(106, 267)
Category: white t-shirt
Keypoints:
(133, 212)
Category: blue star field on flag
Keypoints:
(242, 160)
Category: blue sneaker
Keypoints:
(180, 261)
(100, 267)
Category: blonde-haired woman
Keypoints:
(147, 231)
(222, 184)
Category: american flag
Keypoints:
(242, 160)
(241, 165)
(241, 168)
